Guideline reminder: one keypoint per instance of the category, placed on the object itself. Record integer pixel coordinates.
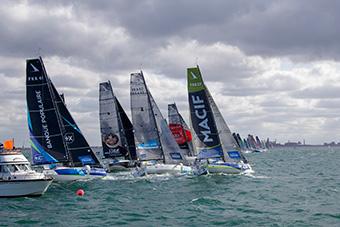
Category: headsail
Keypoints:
(202, 118)
(43, 119)
(78, 149)
(180, 129)
(229, 145)
(171, 150)
(116, 129)
(147, 139)
(128, 131)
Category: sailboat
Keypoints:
(116, 129)
(255, 144)
(217, 149)
(156, 147)
(181, 131)
(241, 143)
(57, 143)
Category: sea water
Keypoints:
(290, 187)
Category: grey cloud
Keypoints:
(302, 29)
(329, 104)
(321, 92)
(111, 39)
(258, 86)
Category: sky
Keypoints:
(272, 66)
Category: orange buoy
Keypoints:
(80, 192)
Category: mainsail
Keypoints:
(180, 129)
(55, 137)
(79, 150)
(128, 131)
(209, 145)
(147, 139)
(213, 133)
(170, 148)
(116, 129)
(229, 145)
(46, 138)
(153, 137)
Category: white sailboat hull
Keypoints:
(174, 169)
(18, 188)
(225, 168)
(67, 174)
(168, 168)
(260, 150)
(222, 168)
(191, 159)
(120, 165)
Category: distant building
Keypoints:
(292, 144)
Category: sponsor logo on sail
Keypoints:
(193, 75)
(34, 78)
(105, 86)
(69, 137)
(34, 68)
(195, 84)
(201, 114)
(44, 125)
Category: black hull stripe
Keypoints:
(17, 196)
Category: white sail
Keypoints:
(147, 140)
(113, 139)
(171, 150)
(227, 140)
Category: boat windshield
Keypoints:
(22, 167)
(10, 168)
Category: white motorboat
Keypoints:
(18, 179)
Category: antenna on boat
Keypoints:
(39, 51)
(196, 61)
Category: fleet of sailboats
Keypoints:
(147, 145)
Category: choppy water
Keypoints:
(291, 187)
